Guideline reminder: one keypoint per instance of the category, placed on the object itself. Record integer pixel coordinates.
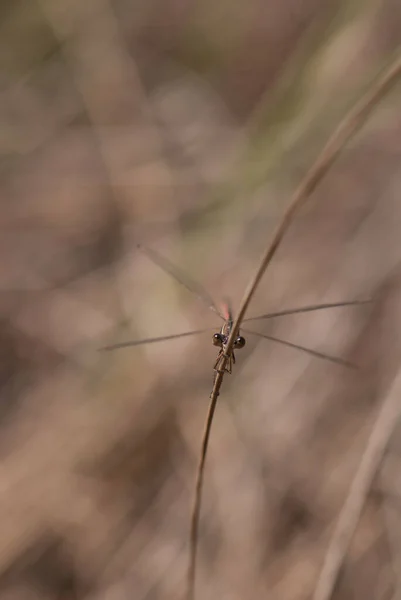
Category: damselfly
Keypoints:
(220, 338)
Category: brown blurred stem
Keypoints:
(347, 128)
(350, 514)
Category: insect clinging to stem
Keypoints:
(220, 338)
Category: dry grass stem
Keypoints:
(347, 128)
(361, 484)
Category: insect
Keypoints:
(220, 338)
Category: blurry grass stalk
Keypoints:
(344, 530)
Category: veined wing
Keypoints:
(305, 309)
(182, 278)
(163, 338)
(333, 359)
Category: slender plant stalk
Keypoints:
(199, 482)
(347, 128)
(350, 514)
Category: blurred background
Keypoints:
(185, 126)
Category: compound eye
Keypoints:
(218, 340)
(239, 342)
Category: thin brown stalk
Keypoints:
(347, 128)
(198, 486)
(361, 484)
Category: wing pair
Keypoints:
(202, 295)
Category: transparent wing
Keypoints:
(153, 340)
(182, 278)
(305, 309)
(333, 359)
